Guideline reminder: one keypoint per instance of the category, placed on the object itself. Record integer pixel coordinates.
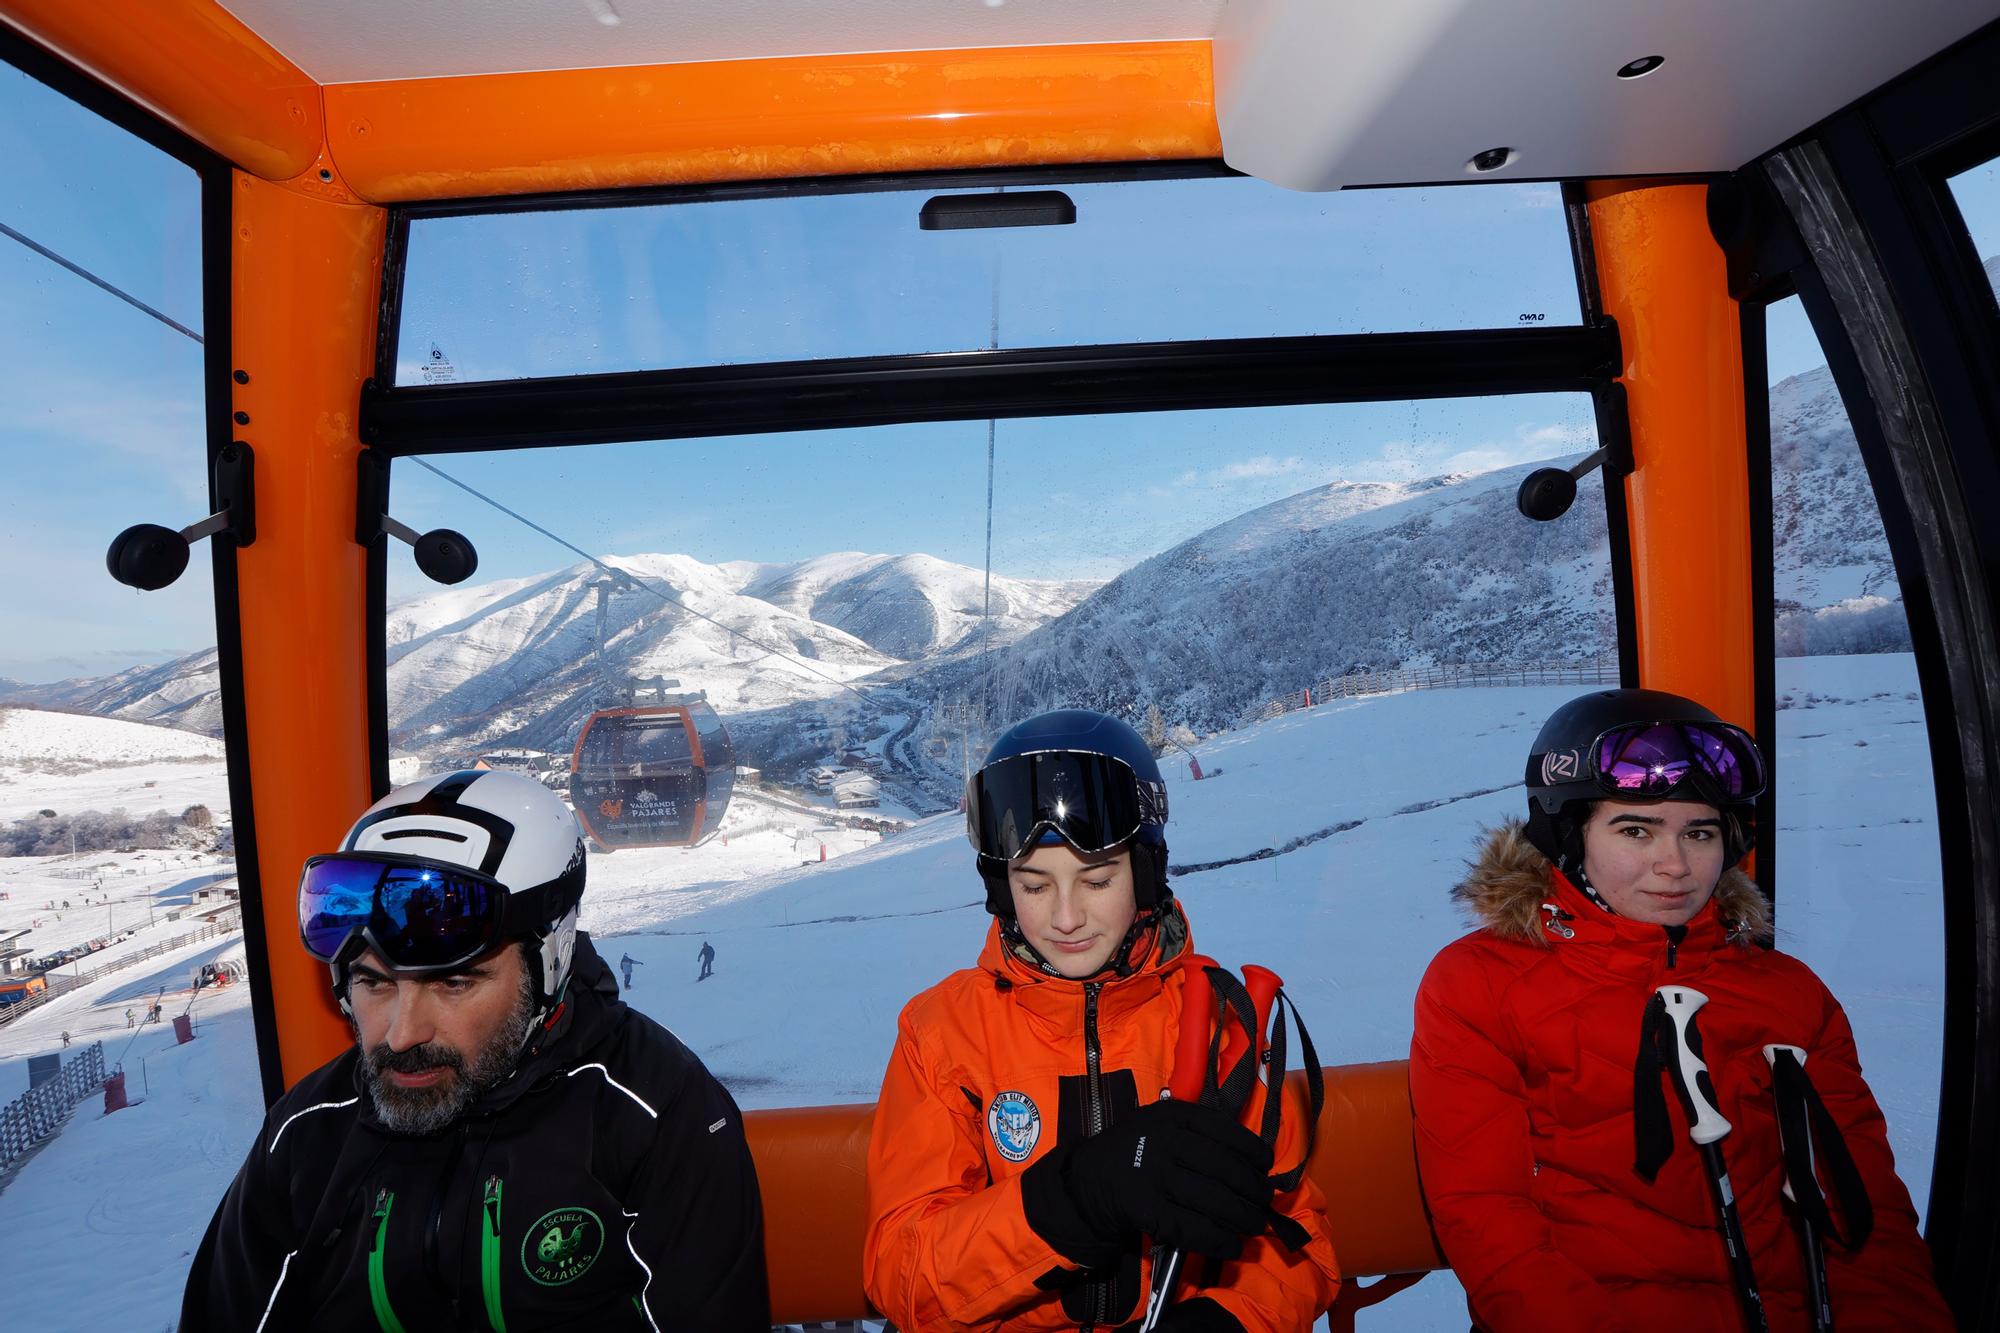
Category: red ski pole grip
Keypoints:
(1263, 985)
(1197, 1020)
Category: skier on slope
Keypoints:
(507, 1146)
(707, 959)
(1564, 1193)
(626, 962)
(1007, 1186)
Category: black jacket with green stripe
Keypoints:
(606, 1185)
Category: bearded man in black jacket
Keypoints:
(507, 1146)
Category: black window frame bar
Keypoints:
(977, 385)
(1754, 337)
(1911, 330)
(1614, 432)
(217, 256)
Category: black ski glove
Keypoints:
(1199, 1315)
(1185, 1174)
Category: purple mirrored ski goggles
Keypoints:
(1650, 760)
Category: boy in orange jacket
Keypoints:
(1022, 1157)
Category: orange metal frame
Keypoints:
(1663, 279)
(764, 119)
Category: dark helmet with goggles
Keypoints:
(443, 871)
(1638, 746)
(1072, 776)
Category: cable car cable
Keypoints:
(92, 278)
(614, 571)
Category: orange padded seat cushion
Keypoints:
(812, 1163)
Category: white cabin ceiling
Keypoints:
(360, 41)
(1310, 94)
(1318, 94)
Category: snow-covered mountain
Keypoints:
(912, 606)
(1342, 577)
(515, 660)
(182, 693)
(517, 663)
(1835, 584)
(72, 762)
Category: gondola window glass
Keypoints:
(1977, 193)
(1859, 894)
(118, 895)
(809, 276)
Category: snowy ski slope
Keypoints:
(71, 762)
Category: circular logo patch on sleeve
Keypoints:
(1015, 1124)
(562, 1246)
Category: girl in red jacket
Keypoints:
(1564, 1191)
(1022, 1157)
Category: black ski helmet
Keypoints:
(1080, 731)
(1562, 772)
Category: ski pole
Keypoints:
(1707, 1128)
(1185, 1085)
(1794, 1058)
(1263, 986)
(1191, 1055)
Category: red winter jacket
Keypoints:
(1521, 1079)
(988, 1073)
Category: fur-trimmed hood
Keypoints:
(1510, 881)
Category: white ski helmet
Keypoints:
(508, 828)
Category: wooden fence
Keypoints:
(1443, 676)
(40, 1111)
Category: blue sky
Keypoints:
(100, 405)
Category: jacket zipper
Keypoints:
(1093, 1118)
(1675, 934)
(1092, 1057)
(489, 1255)
(434, 1229)
(378, 1288)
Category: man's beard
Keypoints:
(429, 1109)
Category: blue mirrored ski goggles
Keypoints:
(416, 914)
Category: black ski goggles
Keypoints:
(1651, 760)
(418, 915)
(1092, 801)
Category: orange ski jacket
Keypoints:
(989, 1071)
(1521, 1077)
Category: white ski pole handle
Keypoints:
(1771, 1054)
(1689, 1069)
